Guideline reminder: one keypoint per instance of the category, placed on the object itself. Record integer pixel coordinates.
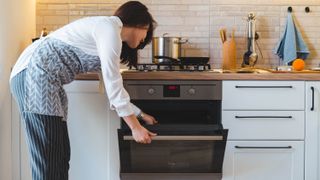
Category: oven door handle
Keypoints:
(180, 138)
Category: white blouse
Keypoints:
(97, 36)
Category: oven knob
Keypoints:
(192, 91)
(151, 91)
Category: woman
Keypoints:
(86, 45)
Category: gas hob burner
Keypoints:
(172, 67)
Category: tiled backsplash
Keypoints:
(200, 21)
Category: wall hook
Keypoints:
(289, 9)
(307, 9)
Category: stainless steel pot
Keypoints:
(166, 47)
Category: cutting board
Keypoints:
(229, 60)
(229, 57)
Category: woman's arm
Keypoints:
(108, 42)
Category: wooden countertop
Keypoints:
(213, 75)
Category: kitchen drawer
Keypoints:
(263, 95)
(264, 160)
(264, 125)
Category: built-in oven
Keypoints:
(190, 141)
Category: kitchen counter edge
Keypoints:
(165, 75)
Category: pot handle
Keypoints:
(164, 34)
(182, 41)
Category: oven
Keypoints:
(191, 140)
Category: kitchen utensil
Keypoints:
(184, 60)
(221, 36)
(250, 57)
(253, 56)
(194, 60)
(166, 46)
(224, 34)
(165, 60)
(247, 54)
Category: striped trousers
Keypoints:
(47, 138)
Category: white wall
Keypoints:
(17, 27)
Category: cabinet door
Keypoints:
(264, 160)
(312, 140)
(88, 124)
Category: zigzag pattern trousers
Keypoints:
(47, 138)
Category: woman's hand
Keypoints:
(142, 135)
(139, 133)
(149, 119)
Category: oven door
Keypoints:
(176, 149)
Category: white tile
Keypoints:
(200, 21)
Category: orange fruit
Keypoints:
(298, 64)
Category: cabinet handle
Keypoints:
(264, 86)
(264, 117)
(263, 147)
(312, 99)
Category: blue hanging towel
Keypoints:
(291, 46)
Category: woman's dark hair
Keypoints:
(135, 14)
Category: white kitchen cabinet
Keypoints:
(92, 132)
(312, 141)
(264, 160)
(266, 122)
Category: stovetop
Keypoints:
(172, 67)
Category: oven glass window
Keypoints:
(166, 156)
(173, 156)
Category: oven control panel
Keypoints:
(171, 90)
(189, 90)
